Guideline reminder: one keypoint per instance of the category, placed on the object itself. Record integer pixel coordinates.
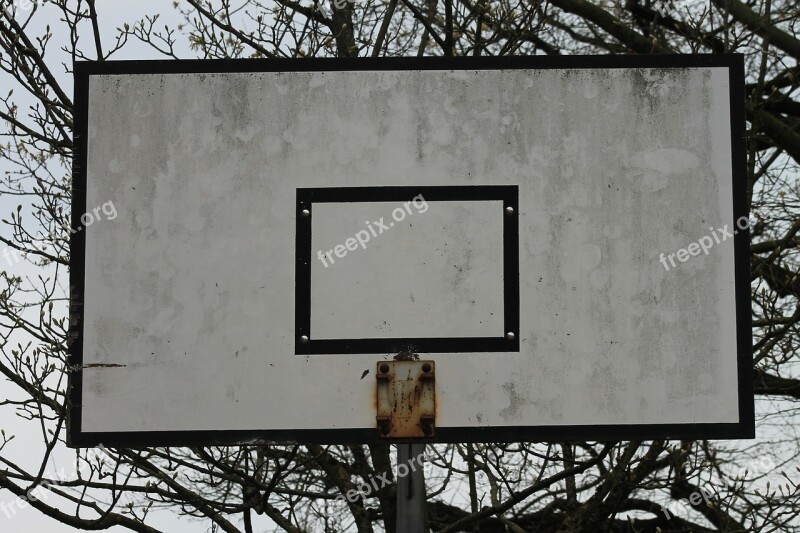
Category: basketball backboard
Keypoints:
(549, 231)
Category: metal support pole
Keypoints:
(410, 488)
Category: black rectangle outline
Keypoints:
(307, 197)
(734, 63)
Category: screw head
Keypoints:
(306, 213)
(384, 368)
(510, 335)
(304, 339)
(509, 210)
(426, 367)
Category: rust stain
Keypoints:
(405, 396)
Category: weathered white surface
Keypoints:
(436, 273)
(192, 285)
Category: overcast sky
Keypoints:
(26, 448)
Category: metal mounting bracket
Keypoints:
(406, 393)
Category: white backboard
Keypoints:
(539, 227)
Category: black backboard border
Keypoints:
(734, 63)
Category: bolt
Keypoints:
(509, 210)
(510, 335)
(426, 428)
(384, 368)
(306, 213)
(426, 367)
(384, 428)
(304, 339)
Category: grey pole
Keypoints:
(410, 489)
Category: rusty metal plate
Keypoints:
(406, 392)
